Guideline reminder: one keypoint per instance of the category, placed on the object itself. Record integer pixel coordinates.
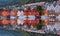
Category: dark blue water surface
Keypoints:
(4, 32)
(10, 2)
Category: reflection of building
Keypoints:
(50, 17)
(53, 14)
(19, 17)
(29, 17)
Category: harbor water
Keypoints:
(4, 32)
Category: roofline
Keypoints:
(38, 3)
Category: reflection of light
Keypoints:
(20, 22)
(52, 15)
(5, 21)
(14, 12)
(5, 13)
(46, 22)
(31, 22)
(12, 17)
(51, 20)
(20, 13)
(44, 17)
(46, 12)
(14, 22)
(31, 17)
(59, 15)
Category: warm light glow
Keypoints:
(46, 22)
(14, 12)
(33, 12)
(59, 14)
(31, 22)
(51, 20)
(51, 15)
(14, 22)
(45, 12)
(5, 21)
(5, 13)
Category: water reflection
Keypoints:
(35, 34)
(4, 32)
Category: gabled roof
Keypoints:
(52, 7)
